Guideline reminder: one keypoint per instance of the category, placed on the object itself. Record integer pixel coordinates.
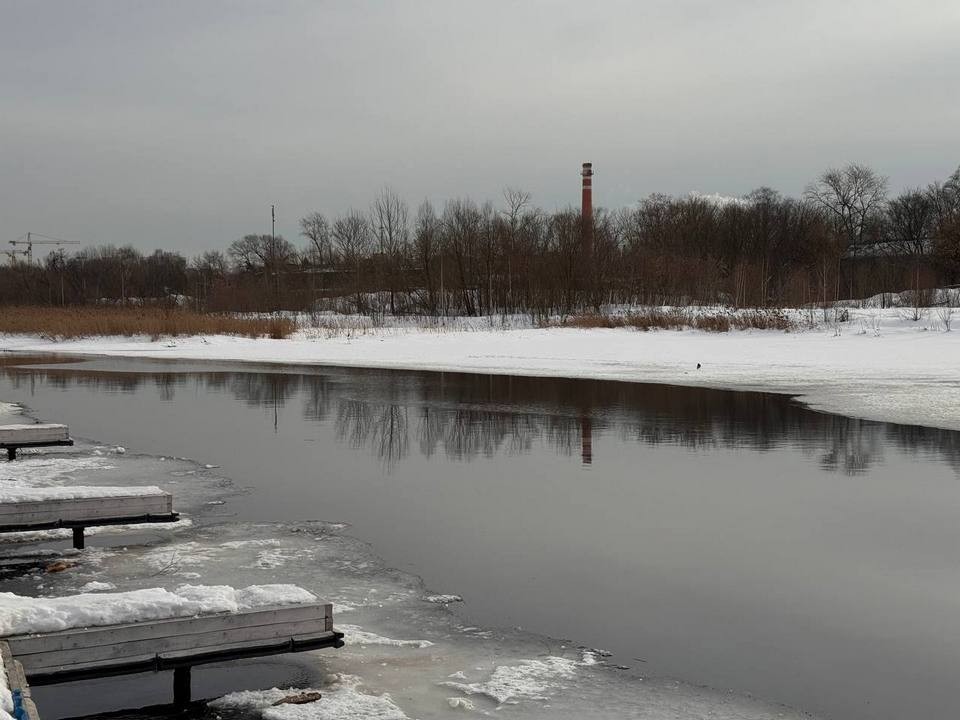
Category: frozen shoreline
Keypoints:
(881, 365)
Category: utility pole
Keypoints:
(273, 250)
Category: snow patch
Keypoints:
(16, 493)
(21, 615)
(443, 599)
(95, 586)
(45, 470)
(529, 680)
(343, 699)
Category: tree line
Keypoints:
(844, 237)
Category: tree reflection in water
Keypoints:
(466, 416)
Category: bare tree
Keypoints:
(910, 219)
(351, 237)
(427, 245)
(389, 220)
(517, 203)
(945, 198)
(316, 229)
(853, 197)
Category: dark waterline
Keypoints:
(732, 539)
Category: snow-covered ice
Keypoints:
(528, 679)
(880, 365)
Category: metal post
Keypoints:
(181, 686)
(78, 538)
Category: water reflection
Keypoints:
(467, 416)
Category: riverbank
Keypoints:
(878, 365)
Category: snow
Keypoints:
(49, 470)
(343, 699)
(16, 493)
(354, 635)
(881, 365)
(9, 411)
(443, 599)
(22, 615)
(528, 680)
(95, 586)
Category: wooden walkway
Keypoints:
(14, 437)
(83, 512)
(175, 644)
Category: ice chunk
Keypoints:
(95, 586)
(341, 700)
(354, 635)
(443, 599)
(529, 680)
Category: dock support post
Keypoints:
(11, 454)
(181, 686)
(78, 538)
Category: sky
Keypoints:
(178, 124)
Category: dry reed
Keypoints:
(679, 319)
(76, 322)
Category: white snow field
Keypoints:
(880, 365)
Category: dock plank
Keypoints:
(23, 434)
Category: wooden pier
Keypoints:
(14, 437)
(23, 706)
(80, 513)
(175, 644)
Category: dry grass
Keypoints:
(62, 323)
(679, 319)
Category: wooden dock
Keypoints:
(14, 437)
(175, 644)
(83, 512)
(23, 706)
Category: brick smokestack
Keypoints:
(586, 211)
(586, 205)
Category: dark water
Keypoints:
(731, 539)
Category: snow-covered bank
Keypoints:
(880, 365)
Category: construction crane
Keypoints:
(29, 242)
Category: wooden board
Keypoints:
(23, 434)
(171, 641)
(16, 680)
(74, 510)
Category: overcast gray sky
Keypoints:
(177, 124)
